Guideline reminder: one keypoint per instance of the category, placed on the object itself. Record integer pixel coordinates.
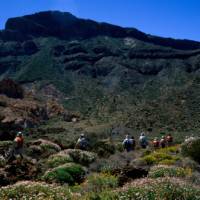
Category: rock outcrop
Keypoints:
(67, 26)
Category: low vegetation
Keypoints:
(162, 189)
(191, 148)
(169, 171)
(56, 160)
(167, 156)
(69, 173)
(35, 191)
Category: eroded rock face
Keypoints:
(20, 108)
(11, 89)
(16, 114)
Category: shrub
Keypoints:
(50, 147)
(149, 159)
(5, 145)
(162, 156)
(108, 167)
(171, 149)
(57, 160)
(163, 171)
(79, 156)
(147, 152)
(167, 162)
(100, 182)
(69, 173)
(2, 161)
(191, 148)
(158, 190)
(163, 191)
(35, 191)
(43, 148)
(104, 148)
(115, 162)
(189, 163)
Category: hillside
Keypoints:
(114, 75)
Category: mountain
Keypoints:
(67, 26)
(108, 73)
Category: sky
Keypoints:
(168, 18)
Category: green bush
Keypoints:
(149, 159)
(57, 160)
(2, 161)
(100, 182)
(171, 149)
(42, 148)
(191, 148)
(104, 148)
(81, 157)
(50, 147)
(69, 173)
(5, 145)
(163, 171)
(162, 156)
(167, 162)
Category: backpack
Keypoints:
(127, 144)
(163, 142)
(156, 143)
(143, 141)
(133, 143)
(83, 143)
(169, 138)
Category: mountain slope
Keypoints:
(113, 74)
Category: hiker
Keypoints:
(128, 143)
(18, 145)
(81, 143)
(169, 139)
(163, 142)
(143, 141)
(156, 143)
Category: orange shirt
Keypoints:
(19, 141)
